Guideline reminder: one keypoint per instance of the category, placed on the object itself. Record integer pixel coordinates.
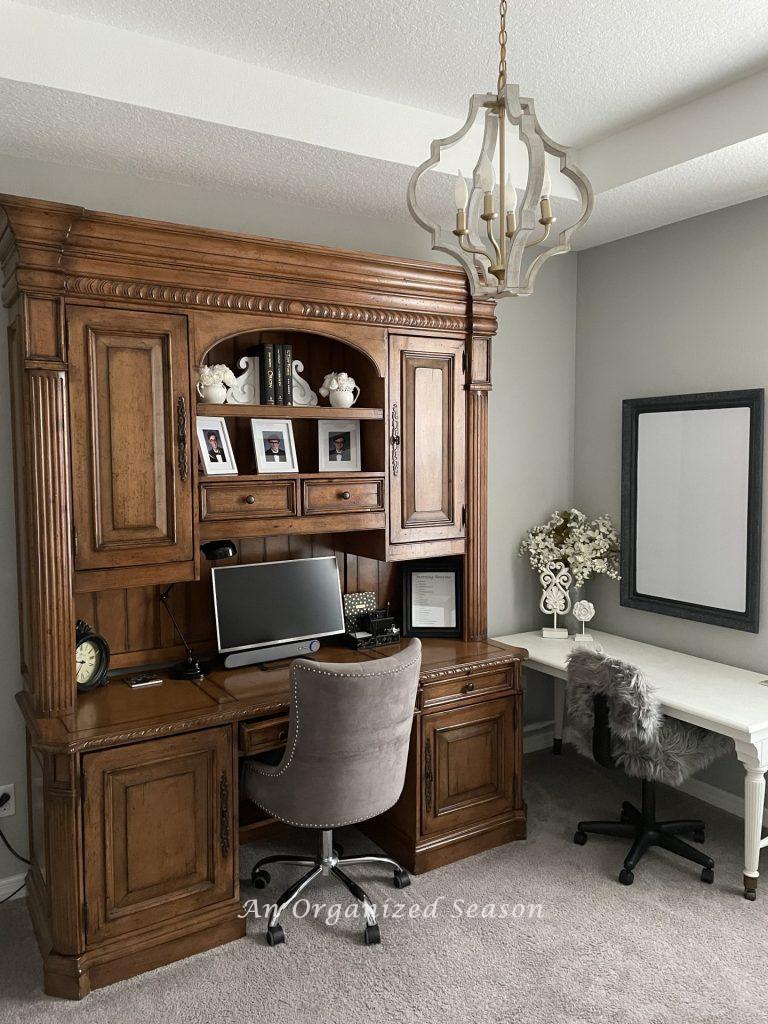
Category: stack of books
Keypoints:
(276, 377)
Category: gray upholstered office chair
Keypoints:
(344, 762)
(613, 715)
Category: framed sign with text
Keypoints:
(432, 595)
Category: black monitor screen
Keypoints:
(274, 602)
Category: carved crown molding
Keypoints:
(171, 295)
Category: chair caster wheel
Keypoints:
(698, 835)
(579, 837)
(708, 875)
(275, 935)
(260, 878)
(626, 877)
(402, 878)
(372, 935)
(750, 894)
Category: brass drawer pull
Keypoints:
(250, 500)
(282, 736)
(468, 687)
(345, 495)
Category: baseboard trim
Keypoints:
(10, 885)
(717, 797)
(539, 736)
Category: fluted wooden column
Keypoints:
(478, 383)
(44, 522)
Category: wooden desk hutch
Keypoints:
(133, 795)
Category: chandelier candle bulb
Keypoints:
(461, 192)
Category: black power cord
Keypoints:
(4, 798)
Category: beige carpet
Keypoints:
(669, 949)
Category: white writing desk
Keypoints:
(726, 700)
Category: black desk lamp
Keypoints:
(214, 551)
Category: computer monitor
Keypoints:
(273, 610)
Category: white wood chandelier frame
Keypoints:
(495, 265)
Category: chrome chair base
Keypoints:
(328, 862)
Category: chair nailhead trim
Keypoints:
(283, 767)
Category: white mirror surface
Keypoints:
(692, 504)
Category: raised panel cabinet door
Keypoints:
(158, 827)
(468, 766)
(132, 443)
(427, 439)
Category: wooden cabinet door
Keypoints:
(427, 414)
(158, 831)
(131, 439)
(467, 764)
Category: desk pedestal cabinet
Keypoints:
(133, 794)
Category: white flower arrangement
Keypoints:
(586, 548)
(212, 375)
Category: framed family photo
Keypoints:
(338, 446)
(274, 446)
(215, 447)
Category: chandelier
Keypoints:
(502, 242)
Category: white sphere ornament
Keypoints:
(583, 612)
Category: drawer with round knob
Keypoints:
(343, 495)
(466, 686)
(254, 499)
(255, 737)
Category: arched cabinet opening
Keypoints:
(299, 469)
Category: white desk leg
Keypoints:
(559, 696)
(753, 757)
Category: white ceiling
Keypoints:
(668, 102)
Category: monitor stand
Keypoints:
(280, 652)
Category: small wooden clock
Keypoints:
(92, 658)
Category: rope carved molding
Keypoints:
(170, 294)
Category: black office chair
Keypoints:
(613, 714)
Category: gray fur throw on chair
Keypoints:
(645, 744)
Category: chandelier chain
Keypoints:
(502, 45)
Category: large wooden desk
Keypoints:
(730, 701)
(143, 866)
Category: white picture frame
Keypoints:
(279, 457)
(348, 448)
(213, 436)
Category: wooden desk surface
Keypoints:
(117, 714)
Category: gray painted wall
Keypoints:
(531, 407)
(680, 309)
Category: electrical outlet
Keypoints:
(8, 808)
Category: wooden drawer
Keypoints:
(261, 499)
(256, 737)
(466, 686)
(343, 495)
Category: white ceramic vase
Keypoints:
(344, 399)
(213, 394)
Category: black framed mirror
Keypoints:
(691, 506)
